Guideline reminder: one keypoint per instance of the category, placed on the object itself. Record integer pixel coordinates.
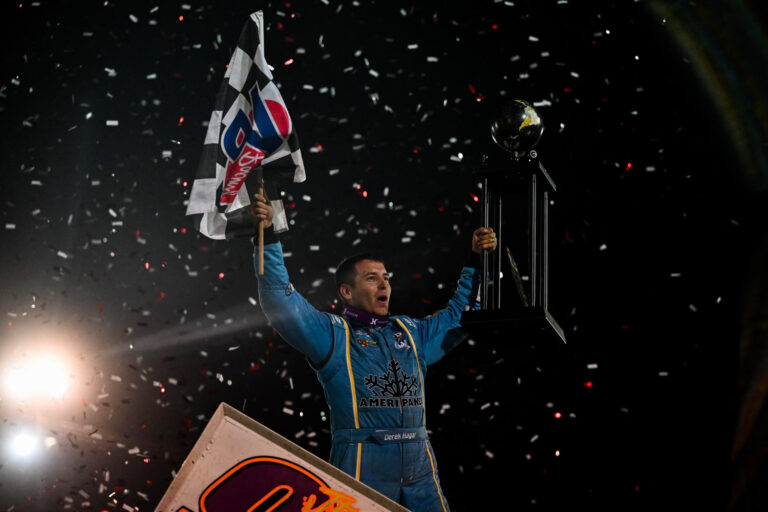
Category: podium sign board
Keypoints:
(239, 465)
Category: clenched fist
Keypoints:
(261, 210)
(483, 239)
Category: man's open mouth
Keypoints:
(382, 299)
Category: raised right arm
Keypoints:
(295, 319)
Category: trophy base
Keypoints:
(534, 323)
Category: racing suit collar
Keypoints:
(364, 317)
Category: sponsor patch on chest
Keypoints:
(363, 338)
(364, 342)
(401, 342)
(394, 388)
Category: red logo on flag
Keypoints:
(237, 171)
(280, 117)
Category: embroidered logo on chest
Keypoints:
(363, 339)
(394, 389)
(401, 343)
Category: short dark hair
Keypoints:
(345, 271)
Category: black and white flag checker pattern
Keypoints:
(249, 129)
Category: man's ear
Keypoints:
(346, 291)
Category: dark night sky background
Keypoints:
(655, 116)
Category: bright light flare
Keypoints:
(23, 445)
(43, 376)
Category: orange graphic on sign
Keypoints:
(271, 484)
(337, 502)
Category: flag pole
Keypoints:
(262, 192)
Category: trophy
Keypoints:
(516, 129)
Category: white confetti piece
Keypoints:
(112, 122)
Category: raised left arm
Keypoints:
(442, 331)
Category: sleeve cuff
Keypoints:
(270, 237)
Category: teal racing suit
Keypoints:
(373, 380)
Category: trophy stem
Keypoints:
(533, 237)
(497, 259)
(545, 251)
(486, 220)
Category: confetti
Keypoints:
(97, 248)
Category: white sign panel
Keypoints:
(239, 465)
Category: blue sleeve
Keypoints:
(442, 331)
(295, 319)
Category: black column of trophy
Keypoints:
(516, 130)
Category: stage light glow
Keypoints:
(23, 445)
(41, 376)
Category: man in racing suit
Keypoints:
(371, 365)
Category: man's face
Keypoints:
(371, 290)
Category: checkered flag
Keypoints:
(250, 132)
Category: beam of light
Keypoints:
(244, 319)
(40, 376)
